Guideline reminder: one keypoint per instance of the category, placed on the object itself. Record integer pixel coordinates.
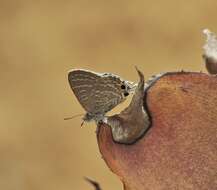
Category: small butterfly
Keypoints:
(98, 93)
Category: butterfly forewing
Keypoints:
(81, 83)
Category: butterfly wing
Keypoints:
(112, 92)
(97, 93)
(82, 83)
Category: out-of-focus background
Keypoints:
(41, 40)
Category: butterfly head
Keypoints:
(90, 117)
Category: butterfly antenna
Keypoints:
(68, 118)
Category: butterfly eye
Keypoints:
(126, 94)
(123, 86)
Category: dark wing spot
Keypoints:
(126, 93)
(123, 86)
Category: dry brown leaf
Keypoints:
(179, 151)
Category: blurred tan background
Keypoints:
(41, 40)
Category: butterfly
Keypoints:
(98, 93)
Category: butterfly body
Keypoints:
(98, 93)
